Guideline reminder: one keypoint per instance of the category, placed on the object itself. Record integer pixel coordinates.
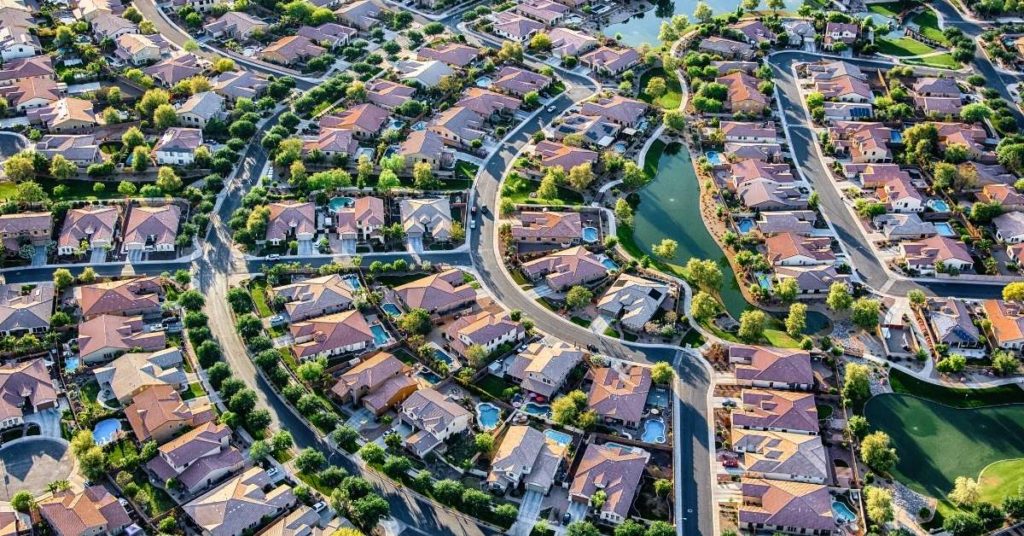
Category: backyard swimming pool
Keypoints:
(106, 431)
(487, 415)
(944, 228)
(842, 513)
(441, 355)
(715, 158)
(537, 410)
(609, 264)
(484, 81)
(429, 376)
(338, 203)
(590, 234)
(765, 280)
(654, 431)
(353, 282)
(938, 205)
(391, 309)
(745, 225)
(380, 335)
(420, 125)
(559, 437)
(71, 364)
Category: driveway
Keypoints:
(136, 255)
(348, 247)
(97, 255)
(415, 244)
(529, 513)
(305, 248)
(39, 256)
(48, 421)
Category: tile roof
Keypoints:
(26, 307)
(307, 298)
(28, 381)
(331, 333)
(159, 222)
(633, 300)
(159, 406)
(437, 292)
(288, 217)
(786, 504)
(760, 364)
(615, 470)
(110, 333)
(777, 410)
(620, 395)
(542, 367)
(110, 297)
(93, 511)
(565, 268)
(560, 226)
(368, 375)
(765, 452)
(240, 503)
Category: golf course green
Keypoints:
(937, 443)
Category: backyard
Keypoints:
(522, 191)
(671, 99)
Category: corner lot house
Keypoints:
(25, 387)
(151, 228)
(548, 227)
(291, 219)
(439, 294)
(93, 511)
(240, 505)
(772, 368)
(198, 458)
(788, 507)
(434, 417)
(1007, 323)
(331, 335)
(25, 308)
(619, 396)
(380, 382)
(543, 368)
(633, 300)
(615, 470)
(526, 456)
(313, 297)
(26, 227)
(133, 296)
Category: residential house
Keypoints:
(67, 115)
(424, 73)
(236, 84)
(813, 281)
(241, 504)
(952, 325)
(388, 94)
(754, 31)
(439, 294)
(92, 511)
(15, 71)
(158, 413)
(786, 507)
(434, 417)
(180, 67)
(177, 146)
(32, 93)
(16, 38)
(1004, 194)
(380, 382)
(458, 126)
(862, 142)
(426, 218)
(109, 26)
(333, 142)
(519, 82)
(900, 195)
(237, 25)
(904, 226)
(781, 455)
(303, 521)
(847, 111)
(554, 154)
(488, 104)
(617, 109)
(610, 61)
(317, 296)
(361, 14)
(25, 308)
(928, 255)
(454, 54)
(200, 109)
(80, 149)
(137, 49)
(780, 411)
(366, 121)
(619, 395)
(633, 300)
(291, 220)
(765, 194)
(291, 49)
(840, 35)
(746, 132)
(1007, 320)
(331, 335)
(25, 387)
(724, 67)
(799, 32)
(484, 329)
(744, 96)
(329, 35)
(527, 457)
(726, 48)
(1009, 227)
(566, 42)
(151, 228)
(799, 222)
(515, 27)
(547, 227)
(425, 146)
(973, 137)
(106, 336)
(788, 249)
(132, 373)
(616, 471)
(23, 228)
(847, 88)
(198, 458)
(567, 268)
(594, 129)
(772, 368)
(545, 11)
(543, 367)
(134, 296)
(929, 86)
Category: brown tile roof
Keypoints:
(620, 395)
(28, 381)
(560, 226)
(442, 291)
(760, 364)
(615, 470)
(159, 406)
(777, 410)
(781, 503)
(368, 375)
(331, 332)
(133, 294)
(1007, 321)
(94, 510)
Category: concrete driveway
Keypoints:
(39, 256)
(529, 513)
(48, 421)
(97, 255)
(305, 247)
(415, 244)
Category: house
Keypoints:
(237, 25)
(25, 308)
(434, 417)
(754, 31)
(317, 296)
(425, 73)
(800, 222)
(799, 32)
(198, 458)
(904, 226)
(426, 217)
(67, 115)
(14, 523)
(137, 49)
(929, 86)
(291, 49)
(32, 93)
(847, 111)
(16, 38)
(594, 129)
(236, 84)
(132, 373)
(741, 131)
(388, 94)
(900, 195)
(744, 96)
(781, 455)
(515, 27)
(1007, 320)
(175, 69)
(633, 300)
(845, 88)
(331, 335)
(786, 507)
(303, 521)
(547, 227)
(750, 170)
(23, 228)
(619, 396)
(862, 142)
(616, 471)
(1016, 253)
(158, 413)
(333, 142)
(291, 219)
(151, 228)
(458, 126)
(329, 35)
(566, 42)
(726, 48)
(764, 194)
(566, 268)
(438, 294)
(1010, 227)
(554, 154)
(81, 149)
(788, 249)
(519, 82)
(550, 13)
(15, 71)
(938, 106)
(454, 54)
(109, 26)
(724, 67)
(813, 281)
(973, 137)
(380, 381)
(928, 255)
(542, 368)
(951, 322)
(1004, 194)
(772, 368)
(486, 329)
(617, 109)
(177, 146)
(364, 120)
(106, 336)
(200, 109)
(240, 505)
(88, 10)
(840, 35)
(525, 456)
(780, 411)
(425, 146)
(134, 296)
(362, 14)
(488, 104)
(92, 511)
(610, 61)
(25, 387)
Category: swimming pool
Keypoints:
(938, 205)
(745, 225)
(441, 355)
(620, 147)
(842, 513)
(487, 415)
(609, 264)
(71, 364)
(338, 203)
(590, 234)
(484, 81)
(654, 431)
(944, 228)
(420, 125)
(429, 376)
(396, 124)
(715, 158)
(765, 280)
(391, 309)
(106, 431)
(353, 281)
(537, 410)
(380, 335)
(559, 437)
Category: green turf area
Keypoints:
(195, 390)
(903, 46)
(938, 443)
(494, 386)
(672, 98)
(890, 9)
(464, 171)
(928, 21)
(579, 321)
(518, 189)
(904, 383)
(940, 61)
(7, 189)
(1001, 479)
(258, 290)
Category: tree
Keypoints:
(62, 168)
(866, 312)
(20, 168)
(797, 319)
(877, 453)
(540, 41)
(372, 454)
(656, 87)
(917, 298)
(140, 161)
(666, 249)
(858, 425)
(387, 181)
(423, 176)
(581, 176)
(259, 450)
(507, 513)
(367, 511)
(571, 409)
(776, 5)
(961, 523)
(944, 175)
(674, 120)
(22, 501)
(966, 492)
(705, 273)
(879, 504)
(62, 278)
(93, 463)
(152, 100)
(662, 373)
(839, 298)
(476, 354)
(249, 326)
(192, 300)
(133, 138)
(623, 212)
(165, 116)
(448, 492)
(548, 188)
(415, 321)
(953, 364)
(633, 176)
(787, 289)
(703, 13)
(584, 528)
(704, 306)
(1004, 364)
(167, 180)
(856, 383)
(629, 528)
(310, 460)
(975, 112)
(484, 443)
(1014, 291)
(578, 296)
(660, 528)
(217, 373)
(752, 325)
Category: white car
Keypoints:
(551, 108)
(319, 506)
(273, 471)
(273, 257)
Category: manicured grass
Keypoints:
(1001, 479)
(960, 398)
(195, 390)
(937, 443)
(928, 21)
(258, 289)
(890, 9)
(904, 46)
(611, 332)
(693, 338)
(671, 99)
(580, 321)
(494, 386)
(7, 189)
(464, 171)
(940, 61)
(780, 339)
(518, 189)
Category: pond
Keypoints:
(669, 208)
(644, 27)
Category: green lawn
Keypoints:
(494, 386)
(258, 290)
(579, 321)
(195, 390)
(941, 61)
(1001, 479)
(465, 171)
(928, 21)
(938, 443)
(518, 189)
(671, 99)
(960, 398)
(7, 189)
(904, 46)
(890, 9)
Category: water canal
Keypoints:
(644, 27)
